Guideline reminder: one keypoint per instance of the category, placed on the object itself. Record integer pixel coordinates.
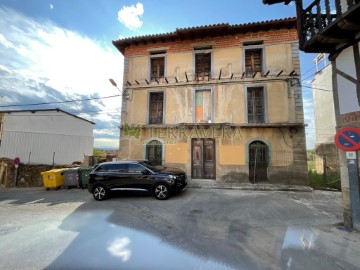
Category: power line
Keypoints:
(321, 89)
(58, 102)
(310, 69)
(308, 77)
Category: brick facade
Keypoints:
(269, 37)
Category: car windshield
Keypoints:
(156, 168)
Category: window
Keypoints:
(253, 58)
(255, 105)
(157, 68)
(157, 65)
(203, 64)
(203, 106)
(156, 108)
(113, 168)
(135, 168)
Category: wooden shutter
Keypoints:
(202, 66)
(255, 104)
(157, 68)
(156, 108)
(253, 61)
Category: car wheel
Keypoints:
(161, 191)
(100, 193)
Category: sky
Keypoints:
(60, 50)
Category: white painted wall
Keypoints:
(348, 101)
(35, 137)
(324, 106)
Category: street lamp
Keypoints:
(114, 84)
(124, 93)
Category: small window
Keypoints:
(203, 106)
(203, 64)
(156, 108)
(253, 61)
(157, 65)
(255, 105)
(157, 68)
(135, 168)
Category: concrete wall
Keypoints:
(324, 115)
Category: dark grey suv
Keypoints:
(135, 176)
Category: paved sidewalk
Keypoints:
(213, 184)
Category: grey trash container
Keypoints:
(71, 178)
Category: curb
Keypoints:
(254, 187)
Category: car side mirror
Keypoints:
(146, 172)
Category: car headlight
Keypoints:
(171, 179)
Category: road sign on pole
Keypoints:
(348, 139)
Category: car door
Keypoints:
(139, 177)
(117, 176)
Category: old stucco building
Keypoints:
(219, 101)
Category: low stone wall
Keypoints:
(28, 175)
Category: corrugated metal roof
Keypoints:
(46, 110)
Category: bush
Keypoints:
(317, 180)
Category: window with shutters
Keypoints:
(157, 68)
(203, 106)
(253, 58)
(255, 105)
(156, 108)
(157, 65)
(203, 64)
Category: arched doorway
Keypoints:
(258, 161)
(154, 152)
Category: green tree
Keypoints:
(98, 152)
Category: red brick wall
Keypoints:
(276, 36)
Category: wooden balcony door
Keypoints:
(203, 159)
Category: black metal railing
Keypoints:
(322, 13)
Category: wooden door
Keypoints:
(154, 152)
(203, 159)
(258, 162)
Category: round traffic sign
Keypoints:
(348, 139)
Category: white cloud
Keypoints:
(7, 44)
(39, 59)
(130, 16)
(60, 58)
(3, 68)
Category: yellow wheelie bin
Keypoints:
(53, 179)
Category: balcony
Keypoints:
(326, 26)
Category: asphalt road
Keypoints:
(197, 229)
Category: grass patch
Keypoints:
(317, 180)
